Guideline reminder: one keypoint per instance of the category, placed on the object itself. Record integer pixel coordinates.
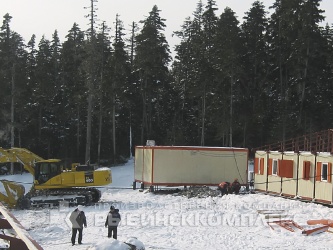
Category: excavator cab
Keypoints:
(45, 170)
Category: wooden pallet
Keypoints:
(290, 225)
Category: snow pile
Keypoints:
(112, 244)
(135, 242)
(4, 244)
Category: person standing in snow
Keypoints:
(224, 187)
(78, 220)
(112, 221)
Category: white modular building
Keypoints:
(302, 175)
(188, 166)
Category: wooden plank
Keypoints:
(274, 216)
(270, 211)
(314, 231)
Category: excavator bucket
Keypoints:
(11, 193)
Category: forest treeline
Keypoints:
(231, 83)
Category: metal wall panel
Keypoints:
(274, 181)
(323, 189)
(306, 187)
(143, 164)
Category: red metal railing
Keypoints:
(314, 142)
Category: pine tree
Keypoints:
(43, 93)
(119, 83)
(254, 94)
(209, 23)
(181, 73)
(72, 57)
(293, 36)
(92, 73)
(29, 113)
(151, 61)
(191, 55)
(228, 62)
(12, 82)
(104, 50)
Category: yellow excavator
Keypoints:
(53, 184)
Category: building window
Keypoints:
(324, 168)
(275, 167)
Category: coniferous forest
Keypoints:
(235, 83)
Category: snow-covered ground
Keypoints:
(176, 222)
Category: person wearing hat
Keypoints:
(235, 186)
(78, 220)
(112, 221)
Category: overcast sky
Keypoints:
(43, 17)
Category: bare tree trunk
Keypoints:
(144, 112)
(91, 78)
(89, 121)
(100, 106)
(40, 123)
(100, 127)
(303, 79)
(12, 117)
(231, 103)
(283, 93)
(114, 84)
(244, 135)
(114, 125)
(130, 138)
(203, 116)
(78, 132)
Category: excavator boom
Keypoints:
(20, 155)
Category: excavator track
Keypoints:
(56, 197)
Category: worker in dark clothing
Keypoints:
(224, 187)
(112, 222)
(78, 220)
(235, 186)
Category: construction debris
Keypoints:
(20, 239)
(199, 192)
(193, 191)
(287, 224)
(270, 214)
(314, 231)
(270, 211)
(190, 192)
